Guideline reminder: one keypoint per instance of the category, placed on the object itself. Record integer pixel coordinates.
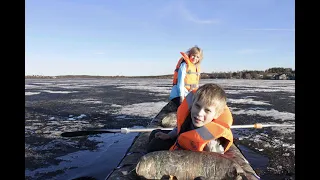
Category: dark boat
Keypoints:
(167, 118)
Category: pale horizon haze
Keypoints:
(144, 37)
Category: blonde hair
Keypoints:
(211, 94)
(195, 50)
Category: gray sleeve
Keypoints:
(174, 133)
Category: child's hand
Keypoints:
(162, 135)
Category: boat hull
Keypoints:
(127, 168)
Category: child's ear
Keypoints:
(217, 115)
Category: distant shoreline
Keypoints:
(92, 76)
(203, 76)
(275, 73)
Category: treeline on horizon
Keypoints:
(276, 73)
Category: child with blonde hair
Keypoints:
(186, 74)
(203, 123)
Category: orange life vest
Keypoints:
(195, 140)
(191, 81)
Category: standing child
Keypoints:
(203, 123)
(186, 74)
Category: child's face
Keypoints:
(194, 58)
(202, 114)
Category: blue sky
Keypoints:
(144, 37)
